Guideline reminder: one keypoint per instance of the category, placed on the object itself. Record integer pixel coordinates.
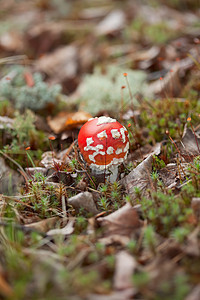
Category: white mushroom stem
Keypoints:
(113, 173)
(110, 173)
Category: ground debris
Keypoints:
(195, 294)
(124, 269)
(84, 201)
(112, 23)
(121, 222)
(65, 121)
(140, 177)
(189, 146)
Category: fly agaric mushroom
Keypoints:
(104, 144)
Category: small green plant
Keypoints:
(111, 196)
(150, 240)
(165, 211)
(180, 234)
(23, 127)
(141, 279)
(103, 203)
(132, 246)
(177, 288)
(43, 199)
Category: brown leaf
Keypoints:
(195, 293)
(112, 23)
(140, 177)
(10, 179)
(6, 122)
(119, 295)
(121, 222)
(172, 175)
(192, 246)
(67, 230)
(44, 225)
(195, 204)
(124, 269)
(5, 288)
(11, 41)
(189, 145)
(64, 121)
(170, 84)
(61, 65)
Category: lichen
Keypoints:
(103, 91)
(25, 97)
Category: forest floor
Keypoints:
(65, 233)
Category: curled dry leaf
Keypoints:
(67, 230)
(195, 204)
(195, 293)
(121, 222)
(44, 225)
(11, 180)
(83, 200)
(112, 23)
(5, 288)
(48, 159)
(171, 82)
(172, 175)
(189, 145)
(11, 41)
(64, 121)
(60, 177)
(61, 65)
(192, 246)
(43, 36)
(124, 269)
(6, 122)
(119, 295)
(140, 177)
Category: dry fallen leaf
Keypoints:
(171, 83)
(189, 146)
(61, 65)
(121, 222)
(192, 246)
(11, 41)
(11, 180)
(140, 177)
(64, 120)
(112, 23)
(5, 288)
(44, 225)
(195, 204)
(119, 295)
(67, 230)
(195, 293)
(6, 122)
(124, 269)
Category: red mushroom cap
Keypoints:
(103, 142)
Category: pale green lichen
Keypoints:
(103, 91)
(24, 96)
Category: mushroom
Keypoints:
(104, 144)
